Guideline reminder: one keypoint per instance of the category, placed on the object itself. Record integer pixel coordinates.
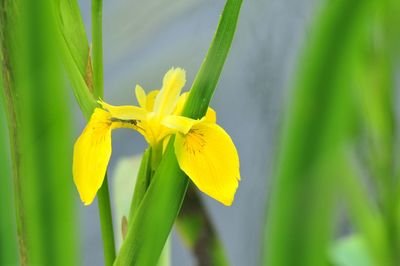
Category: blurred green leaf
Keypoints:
(38, 122)
(317, 124)
(8, 231)
(156, 214)
(350, 251)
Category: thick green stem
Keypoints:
(98, 91)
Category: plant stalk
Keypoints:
(107, 230)
(106, 223)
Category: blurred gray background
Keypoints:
(143, 39)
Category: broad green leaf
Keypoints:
(38, 122)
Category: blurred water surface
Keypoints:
(143, 39)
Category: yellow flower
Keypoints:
(204, 151)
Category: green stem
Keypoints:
(106, 223)
(97, 46)
(98, 91)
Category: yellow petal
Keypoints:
(181, 103)
(127, 112)
(151, 97)
(211, 115)
(173, 82)
(209, 157)
(140, 96)
(180, 123)
(92, 152)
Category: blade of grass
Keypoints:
(39, 130)
(301, 208)
(153, 220)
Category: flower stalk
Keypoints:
(107, 230)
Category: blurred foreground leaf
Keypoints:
(318, 123)
(38, 122)
(8, 232)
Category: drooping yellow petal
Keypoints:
(126, 112)
(173, 82)
(209, 157)
(92, 152)
(140, 96)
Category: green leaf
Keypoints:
(39, 126)
(317, 125)
(153, 220)
(73, 32)
(75, 52)
(8, 236)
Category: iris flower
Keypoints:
(204, 151)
